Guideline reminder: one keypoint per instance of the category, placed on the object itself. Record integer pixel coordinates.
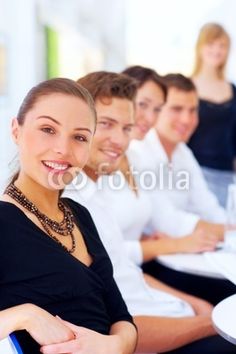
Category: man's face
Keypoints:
(179, 116)
(115, 119)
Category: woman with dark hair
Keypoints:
(52, 261)
(151, 95)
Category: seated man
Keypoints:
(166, 318)
(181, 193)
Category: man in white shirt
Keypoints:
(182, 203)
(164, 316)
(181, 193)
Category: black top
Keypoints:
(36, 269)
(214, 141)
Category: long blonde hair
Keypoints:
(208, 33)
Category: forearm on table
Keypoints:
(160, 334)
(127, 336)
(153, 248)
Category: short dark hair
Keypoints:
(143, 74)
(104, 84)
(179, 82)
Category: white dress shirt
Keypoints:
(180, 197)
(132, 211)
(140, 298)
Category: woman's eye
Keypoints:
(48, 130)
(81, 138)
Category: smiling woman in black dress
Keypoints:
(52, 260)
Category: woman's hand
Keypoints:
(43, 327)
(86, 341)
(40, 324)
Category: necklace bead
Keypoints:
(63, 228)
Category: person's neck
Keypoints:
(208, 74)
(91, 173)
(168, 146)
(45, 200)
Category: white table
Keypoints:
(224, 319)
(224, 261)
(196, 264)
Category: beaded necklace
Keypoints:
(63, 228)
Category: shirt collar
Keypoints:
(153, 139)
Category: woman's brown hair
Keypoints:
(143, 74)
(57, 85)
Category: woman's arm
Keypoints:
(40, 324)
(127, 336)
(122, 340)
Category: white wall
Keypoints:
(162, 33)
(91, 34)
(101, 22)
(19, 28)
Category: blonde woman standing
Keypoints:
(213, 142)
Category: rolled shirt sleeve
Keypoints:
(134, 251)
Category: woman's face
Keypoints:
(55, 139)
(148, 102)
(214, 54)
